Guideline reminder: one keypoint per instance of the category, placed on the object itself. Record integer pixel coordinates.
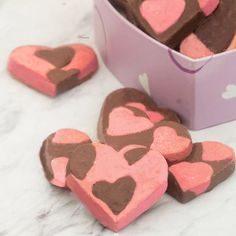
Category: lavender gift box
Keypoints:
(202, 91)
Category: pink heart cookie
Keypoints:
(172, 140)
(56, 151)
(52, 71)
(209, 164)
(115, 192)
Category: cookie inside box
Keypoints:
(191, 27)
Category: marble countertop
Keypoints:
(28, 204)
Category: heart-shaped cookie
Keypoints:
(56, 151)
(209, 164)
(115, 192)
(172, 140)
(170, 21)
(134, 104)
(53, 71)
(129, 117)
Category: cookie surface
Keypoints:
(170, 21)
(53, 71)
(113, 190)
(130, 118)
(209, 164)
(215, 35)
(55, 152)
(130, 101)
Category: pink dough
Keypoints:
(208, 6)
(26, 67)
(215, 151)
(150, 174)
(194, 48)
(152, 115)
(162, 14)
(170, 145)
(194, 177)
(123, 121)
(59, 170)
(69, 136)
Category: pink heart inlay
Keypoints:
(194, 177)
(122, 121)
(215, 151)
(162, 14)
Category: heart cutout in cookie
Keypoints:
(162, 14)
(53, 71)
(59, 57)
(116, 195)
(115, 192)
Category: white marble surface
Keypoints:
(28, 204)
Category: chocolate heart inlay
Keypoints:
(82, 161)
(134, 155)
(59, 57)
(56, 76)
(116, 195)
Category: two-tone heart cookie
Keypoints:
(170, 21)
(114, 188)
(209, 164)
(115, 191)
(208, 39)
(130, 118)
(53, 71)
(56, 151)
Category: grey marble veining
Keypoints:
(29, 206)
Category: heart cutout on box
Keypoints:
(53, 71)
(115, 192)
